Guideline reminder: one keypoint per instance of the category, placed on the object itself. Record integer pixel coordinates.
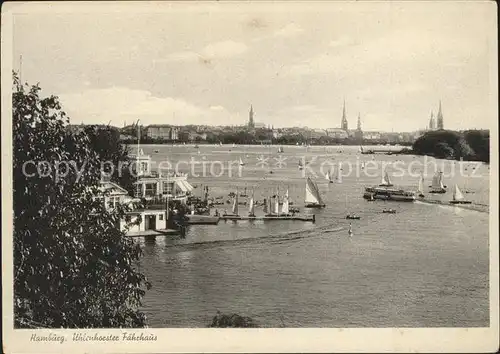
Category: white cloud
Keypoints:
(289, 30)
(119, 104)
(218, 50)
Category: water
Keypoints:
(426, 266)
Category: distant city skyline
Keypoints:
(295, 67)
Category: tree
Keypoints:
(73, 267)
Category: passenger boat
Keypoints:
(313, 198)
(458, 197)
(393, 194)
(437, 183)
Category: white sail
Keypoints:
(241, 162)
(251, 208)
(235, 205)
(277, 204)
(312, 193)
(457, 194)
(420, 185)
(385, 179)
(327, 176)
(437, 181)
(285, 208)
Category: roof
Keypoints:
(112, 187)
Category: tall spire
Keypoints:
(432, 122)
(251, 123)
(359, 121)
(440, 123)
(343, 124)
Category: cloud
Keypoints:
(119, 104)
(218, 50)
(289, 30)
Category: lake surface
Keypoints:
(426, 266)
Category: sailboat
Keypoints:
(277, 205)
(301, 167)
(313, 198)
(251, 208)
(285, 209)
(420, 190)
(458, 197)
(265, 209)
(349, 232)
(241, 162)
(437, 183)
(386, 182)
(280, 149)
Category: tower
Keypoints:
(359, 132)
(343, 124)
(251, 123)
(432, 122)
(440, 123)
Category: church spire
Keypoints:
(432, 122)
(344, 125)
(440, 123)
(251, 123)
(359, 121)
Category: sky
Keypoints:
(184, 63)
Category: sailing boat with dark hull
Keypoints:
(437, 183)
(313, 197)
(458, 197)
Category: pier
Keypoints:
(311, 218)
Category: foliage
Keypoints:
(232, 321)
(72, 265)
(469, 145)
(114, 156)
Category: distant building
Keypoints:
(259, 125)
(337, 133)
(158, 131)
(371, 136)
(440, 122)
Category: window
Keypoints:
(167, 187)
(160, 216)
(150, 189)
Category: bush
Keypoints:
(232, 321)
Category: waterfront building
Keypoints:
(153, 185)
(440, 122)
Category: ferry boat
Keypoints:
(395, 194)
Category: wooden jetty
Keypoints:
(311, 218)
(148, 233)
(201, 220)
